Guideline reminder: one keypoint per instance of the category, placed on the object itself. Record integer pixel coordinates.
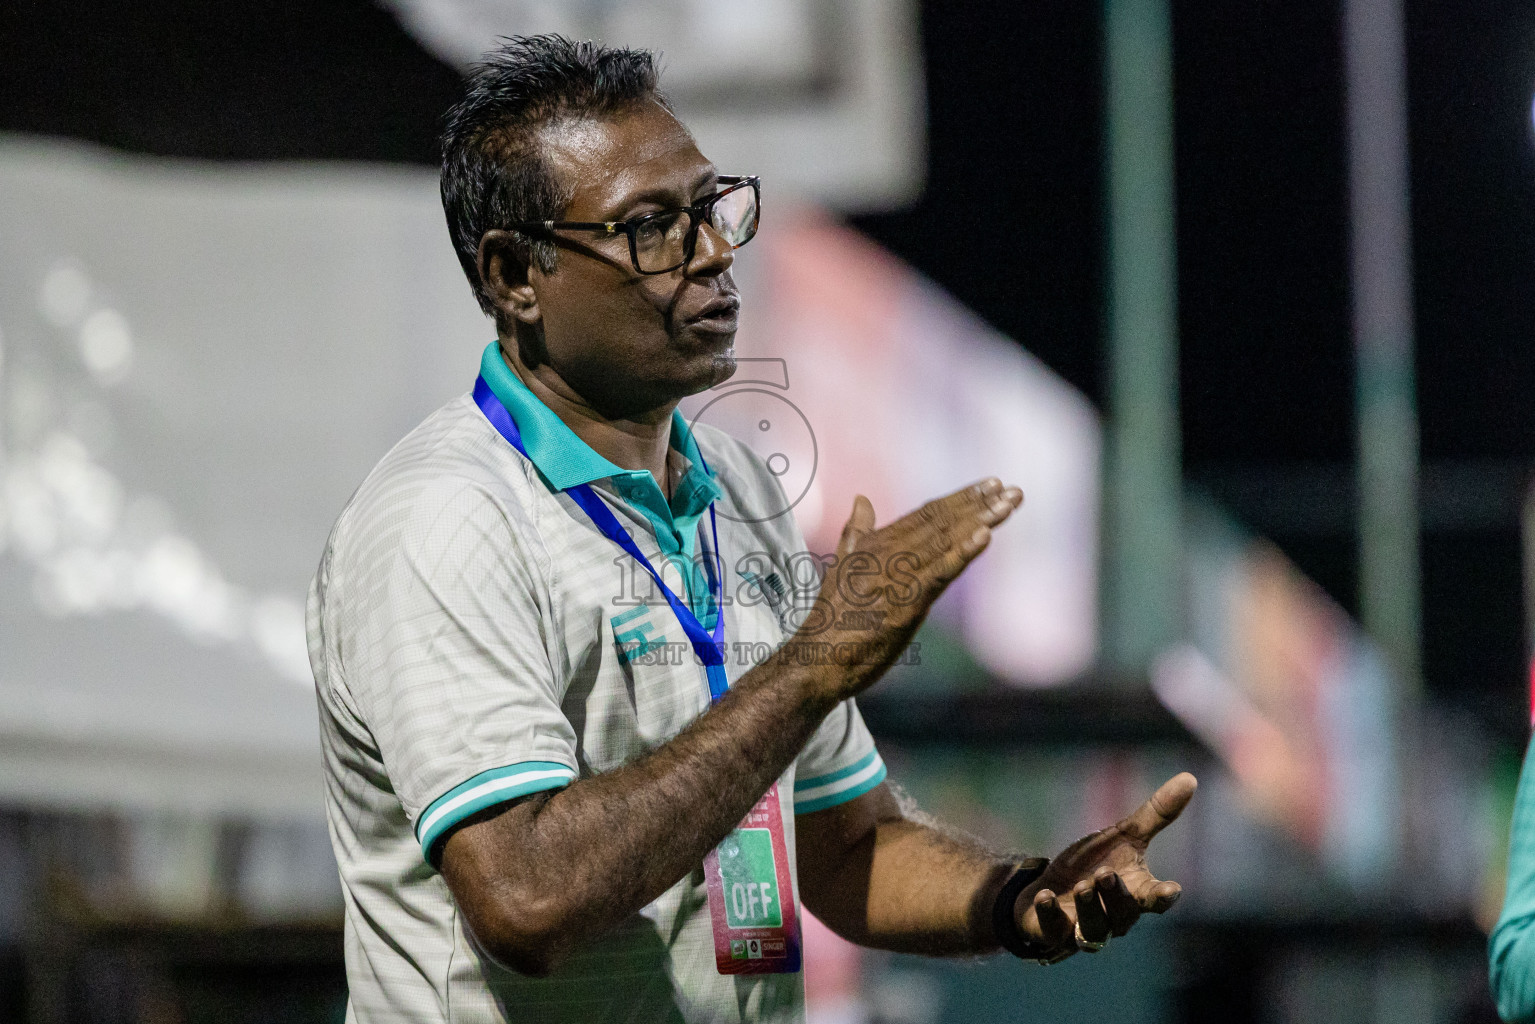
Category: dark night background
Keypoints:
(1010, 223)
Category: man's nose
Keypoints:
(711, 253)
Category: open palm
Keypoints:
(1100, 885)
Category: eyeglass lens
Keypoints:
(660, 243)
(735, 216)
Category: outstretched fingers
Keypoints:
(1151, 894)
(1162, 897)
(1162, 809)
(988, 502)
(926, 549)
(1055, 925)
(947, 533)
(1092, 920)
(1119, 904)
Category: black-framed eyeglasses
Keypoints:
(663, 241)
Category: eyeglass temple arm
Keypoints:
(610, 226)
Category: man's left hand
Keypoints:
(1100, 885)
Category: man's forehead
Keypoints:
(610, 156)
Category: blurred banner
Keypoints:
(199, 364)
(1291, 694)
(1395, 803)
(822, 98)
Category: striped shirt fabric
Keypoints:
(475, 639)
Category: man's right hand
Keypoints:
(883, 581)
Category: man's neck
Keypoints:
(638, 443)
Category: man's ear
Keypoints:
(504, 277)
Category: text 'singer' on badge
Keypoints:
(751, 897)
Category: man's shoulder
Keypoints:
(752, 492)
(453, 464)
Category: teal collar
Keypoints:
(564, 460)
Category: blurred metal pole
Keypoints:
(1386, 413)
(1527, 536)
(1142, 594)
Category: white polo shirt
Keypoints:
(475, 638)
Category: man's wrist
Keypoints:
(820, 684)
(1004, 914)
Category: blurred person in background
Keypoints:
(1511, 950)
(538, 811)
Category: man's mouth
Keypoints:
(719, 315)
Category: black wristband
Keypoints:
(1004, 924)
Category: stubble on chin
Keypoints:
(724, 366)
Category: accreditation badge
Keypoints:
(751, 896)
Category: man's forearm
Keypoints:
(932, 893)
(590, 855)
(879, 874)
(883, 876)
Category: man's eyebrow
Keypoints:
(667, 197)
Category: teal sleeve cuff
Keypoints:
(838, 787)
(496, 786)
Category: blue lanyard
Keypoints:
(708, 647)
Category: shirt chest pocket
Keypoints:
(652, 685)
(656, 686)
